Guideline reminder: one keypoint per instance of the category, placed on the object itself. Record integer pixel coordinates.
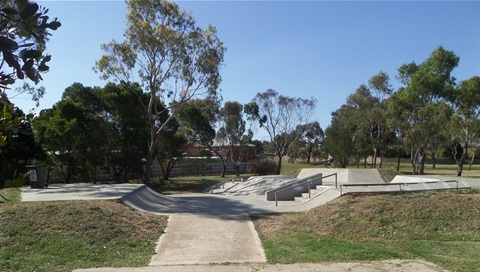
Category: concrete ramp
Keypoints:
(258, 185)
(344, 175)
(413, 179)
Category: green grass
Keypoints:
(440, 227)
(66, 235)
(307, 247)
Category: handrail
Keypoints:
(336, 178)
(404, 186)
(308, 182)
(290, 186)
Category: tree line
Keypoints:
(129, 125)
(431, 112)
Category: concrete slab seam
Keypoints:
(159, 241)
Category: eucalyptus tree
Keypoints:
(73, 138)
(235, 131)
(126, 128)
(426, 87)
(197, 119)
(361, 105)
(466, 101)
(308, 145)
(170, 150)
(279, 116)
(378, 129)
(368, 104)
(175, 60)
(340, 135)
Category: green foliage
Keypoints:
(280, 116)
(262, 166)
(24, 30)
(184, 56)
(94, 130)
(340, 136)
(17, 146)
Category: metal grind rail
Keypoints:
(403, 186)
(301, 182)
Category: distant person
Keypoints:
(330, 160)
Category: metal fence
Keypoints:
(202, 169)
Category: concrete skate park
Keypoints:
(214, 227)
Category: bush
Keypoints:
(262, 167)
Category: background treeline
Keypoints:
(432, 114)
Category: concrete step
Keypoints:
(313, 192)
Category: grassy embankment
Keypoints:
(440, 227)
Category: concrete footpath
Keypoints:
(197, 239)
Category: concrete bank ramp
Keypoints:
(147, 200)
(344, 175)
(258, 185)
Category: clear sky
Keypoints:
(320, 49)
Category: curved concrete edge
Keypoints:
(393, 265)
(78, 191)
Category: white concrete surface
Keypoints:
(78, 191)
(198, 239)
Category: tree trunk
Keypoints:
(148, 168)
(471, 160)
(374, 159)
(279, 165)
(464, 154)
(434, 160)
(422, 163)
(399, 157)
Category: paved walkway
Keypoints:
(197, 239)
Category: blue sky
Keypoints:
(305, 49)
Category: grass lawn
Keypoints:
(440, 227)
(65, 235)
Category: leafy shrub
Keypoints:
(262, 167)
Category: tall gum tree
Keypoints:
(466, 101)
(422, 100)
(280, 116)
(175, 61)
